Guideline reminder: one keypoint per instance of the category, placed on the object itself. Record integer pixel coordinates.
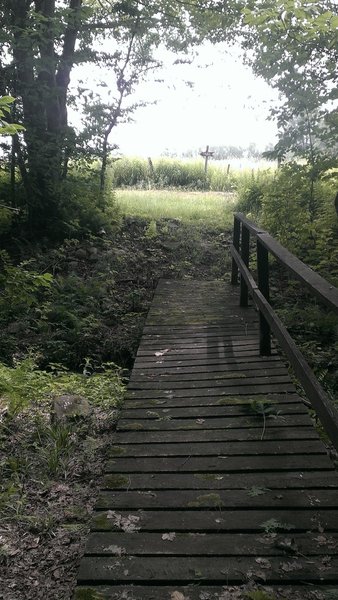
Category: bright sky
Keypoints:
(227, 105)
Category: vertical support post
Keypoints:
(236, 243)
(245, 252)
(263, 285)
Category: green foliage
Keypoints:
(292, 45)
(297, 211)
(251, 192)
(20, 287)
(5, 109)
(27, 385)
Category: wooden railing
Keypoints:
(269, 320)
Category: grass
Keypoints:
(201, 208)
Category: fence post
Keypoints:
(236, 243)
(245, 252)
(263, 285)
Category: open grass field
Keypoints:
(214, 209)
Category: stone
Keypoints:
(69, 406)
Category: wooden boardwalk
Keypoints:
(216, 475)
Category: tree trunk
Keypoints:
(43, 87)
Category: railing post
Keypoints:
(263, 285)
(236, 243)
(245, 252)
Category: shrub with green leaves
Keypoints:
(21, 288)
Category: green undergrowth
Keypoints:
(25, 385)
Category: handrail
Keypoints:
(321, 288)
(240, 251)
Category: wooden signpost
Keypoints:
(206, 155)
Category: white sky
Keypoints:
(227, 105)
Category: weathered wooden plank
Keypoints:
(197, 591)
(192, 520)
(197, 361)
(202, 371)
(218, 481)
(243, 400)
(231, 390)
(254, 497)
(193, 377)
(218, 410)
(216, 435)
(214, 569)
(190, 544)
(212, 423)
(217, 464)
(218, 349)
(281, 376)
(236, 448)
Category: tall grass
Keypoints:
(201, 208)
(170, 173)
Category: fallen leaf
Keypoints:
(264, 563)
(162, 352)
(291, 566)
(169, 536)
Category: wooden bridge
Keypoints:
(217, 476)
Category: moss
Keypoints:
(207, 499)
(87, 594)
(100, 521)
(117, 451)
(132, 427)
(116, 481)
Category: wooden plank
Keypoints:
(217, 464)
(232, 348)
(212, 423)
(219, 481)
(216, 435)
(240, 520)
(254, 497)
(236, 448)
(203, 370)
(195, 591)
(190, 544)
(281, 376)
(203, 361)
(214, 569)
(220, 410)
(231, 390)
(243, 400)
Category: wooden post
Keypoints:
(245, 253)
(236, 243)
(206, 155)
(263, 285)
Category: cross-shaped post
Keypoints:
(206, 155)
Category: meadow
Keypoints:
(214, 209)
